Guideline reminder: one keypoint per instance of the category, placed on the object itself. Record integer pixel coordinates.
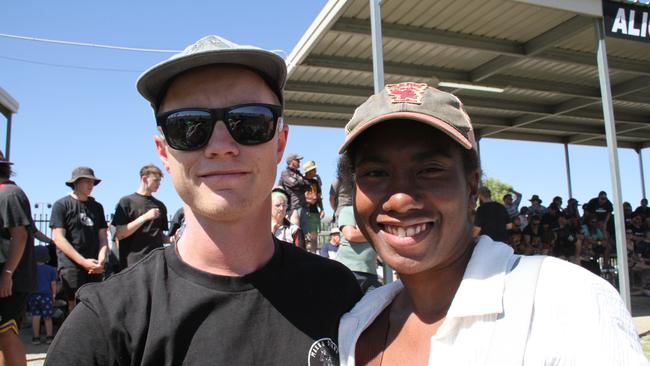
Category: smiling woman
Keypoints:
(459, 300)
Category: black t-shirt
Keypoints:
(164, 312)
(314, 190)
(599, 210)
(149, 235)
(645, 211)
(15, 210)
(551, 220)
(567, 235)
(177, 221)
(492, 218)
(535, 235)
(81, 221)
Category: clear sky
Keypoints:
(79, 105)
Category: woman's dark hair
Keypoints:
(5, 171)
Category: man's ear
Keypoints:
(283, 135)
(161, 148)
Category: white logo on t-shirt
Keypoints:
(324, 352)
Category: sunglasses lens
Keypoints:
(251, 125)
(188, 130)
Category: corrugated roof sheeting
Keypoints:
(489, 42)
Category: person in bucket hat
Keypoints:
(79, 233)
(459, 301)
(82, 172)
(227, 292)
(17, 265)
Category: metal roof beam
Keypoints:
(364, 65)
(536, 45)
(320, 107)
(317, 122)
(444, 74)
(578, 139)
(501, 47)
(589, 59)
(418, 34)
(621, 89)
(328, 88)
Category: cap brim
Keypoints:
(150, 83)
(417, 117)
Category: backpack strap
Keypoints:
(514, 323)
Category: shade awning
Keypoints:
(542, 58)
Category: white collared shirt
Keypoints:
(578, 319)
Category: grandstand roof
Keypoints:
(540, 52)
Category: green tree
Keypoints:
(497, 187)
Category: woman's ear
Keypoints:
(473, 183)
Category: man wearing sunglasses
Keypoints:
(227, 293)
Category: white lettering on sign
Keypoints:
(620, 24)
(625, 24)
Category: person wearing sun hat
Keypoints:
(227, 292)
(314, 210)
(79, 233)
(536, 208)
(459, 300)
(17, 263)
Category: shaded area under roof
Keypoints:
(542, 57)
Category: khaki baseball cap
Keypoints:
(212, 50)
(417, 102)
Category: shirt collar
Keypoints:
(481, 290)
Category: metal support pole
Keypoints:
(567, 164)
(8, 138)
(640, 152)
(612, 147)
(378, 73)
(377, 45)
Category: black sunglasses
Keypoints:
(191, 128)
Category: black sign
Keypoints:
(627, 21)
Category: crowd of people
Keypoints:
(582, 234)
(228, 292)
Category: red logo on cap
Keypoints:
(406, 92)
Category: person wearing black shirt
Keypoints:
(601, 207)
(17, 264)
(643, 209)
(79, 232)
(568, 234)
(227, 292)
(178, 220)
(492, 218)
(140, 219)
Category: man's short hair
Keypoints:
(507, 195)
(150, 169)
(485, 192)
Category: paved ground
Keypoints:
(640, 313)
